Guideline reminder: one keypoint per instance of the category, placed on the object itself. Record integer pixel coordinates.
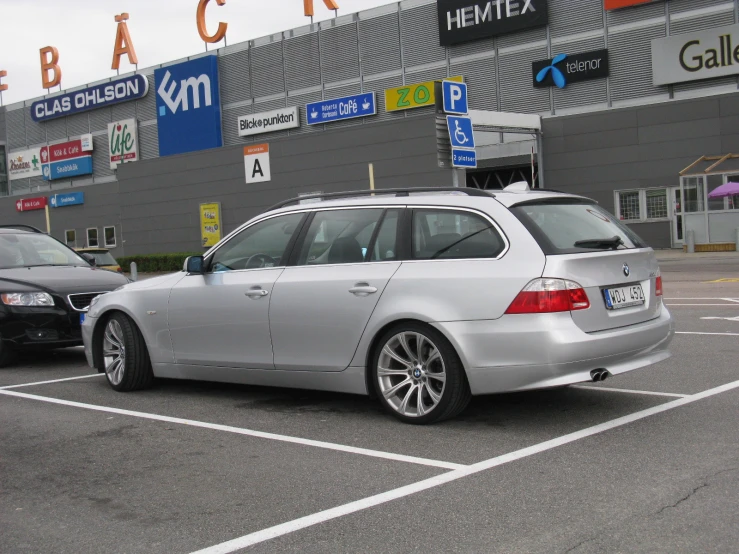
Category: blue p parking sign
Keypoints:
(455, 97)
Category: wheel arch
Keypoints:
(99, 329)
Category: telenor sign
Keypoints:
(107, 94)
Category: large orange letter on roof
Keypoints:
(50, 65)
(3, 73)
(123, 44)
(308, 5)
(202, 29)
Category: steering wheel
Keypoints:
(259, 260)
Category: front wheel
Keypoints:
(418, 375)
(125, 356)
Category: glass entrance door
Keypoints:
(677, 217)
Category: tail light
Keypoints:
(542, 296)
(119, 270)
(658, 286)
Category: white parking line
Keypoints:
(699, 333)
(705, 298)
(727, 304)
(631, 391)
(382, 498)
(52, 381)
(242, 431)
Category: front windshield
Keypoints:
(35, 249)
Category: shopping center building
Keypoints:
(639, 109)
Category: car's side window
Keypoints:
(339, 236)
(385, 247)
(449, 234)
(263, 244)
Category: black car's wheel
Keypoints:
(418, 376)
(7, 356)
(125, 357)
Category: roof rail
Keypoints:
(396, 192)
(22, 227)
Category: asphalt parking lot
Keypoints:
(643, 462)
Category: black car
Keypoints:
(45, 290)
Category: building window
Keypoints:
(70, 235)
(629, 205)
(109, 233)
(693, 194)
(92, 238)
(657, 204)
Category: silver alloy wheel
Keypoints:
(411, 374)
(114, 352)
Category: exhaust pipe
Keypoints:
(599, 375)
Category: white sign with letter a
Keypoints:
(256, 163)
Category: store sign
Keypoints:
(211, 230)
(123, 143)
(692, 56)
(339, 109)
(465, 20)
(256, 163)
(413, 96)
(188, 106)
(67, 159)
(29, 204)
(266, 122)
(67, 199)
(24, 164)
(565, 69)
(107, 94)
(616, 4)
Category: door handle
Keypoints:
(362, 289)
(256, 292)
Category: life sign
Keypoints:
(91, 98)
(455, 97)
(256, 163)
(412, 96)
(339, 109)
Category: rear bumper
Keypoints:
(522, 352)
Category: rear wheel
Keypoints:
(418, 375)
(125, 356)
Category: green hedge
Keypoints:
(154, 263)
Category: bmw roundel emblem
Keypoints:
(417, 373)
(626, 270)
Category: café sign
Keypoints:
(693, 56)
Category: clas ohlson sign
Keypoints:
(693, 56)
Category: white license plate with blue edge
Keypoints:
(623, 297)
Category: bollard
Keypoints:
(134, 272)
(691, 241)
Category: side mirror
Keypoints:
(194, 264)
(89, 258)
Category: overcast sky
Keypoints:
(161, 30)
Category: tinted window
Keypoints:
(339, 236)
(446, 234)
(260, 245)
(559, 225)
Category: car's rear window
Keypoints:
(563, 226)
(103, 258)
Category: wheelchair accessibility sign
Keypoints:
(460, 132)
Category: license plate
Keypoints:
(623, 297)
(82, 318)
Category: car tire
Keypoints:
(7, 355)
(415, 364)
(125, 357)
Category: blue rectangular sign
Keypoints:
(338, 109)
(66, 199)
(68, 168)
(107, 94)
(460, 132)
(188, 106)
(464, 158)
(455, 97)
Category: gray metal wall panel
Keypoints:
(235, 84)
(630, 55)
(149, 139)
(522, 38)
(517, 93)
(100, 118)
(16, 129)
(701, 22)
(146, 108)
(569, 17)
(419, 32)
(267, 73)
(229, 126)
(632, 15)
(302, 62)
(100, 158)
(426, 75)
(56, 129)
(35, 132)
(480, 77)
(379, 43)
(483, 46)
(300, 100)
(340, 53)
(78, 124)
(124, 110)
(3, 127)
(679, 6)
(379, 87)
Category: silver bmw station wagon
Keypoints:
(422, 297)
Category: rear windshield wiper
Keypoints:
(612, 243)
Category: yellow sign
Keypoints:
(210, 223)
(413, 96)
